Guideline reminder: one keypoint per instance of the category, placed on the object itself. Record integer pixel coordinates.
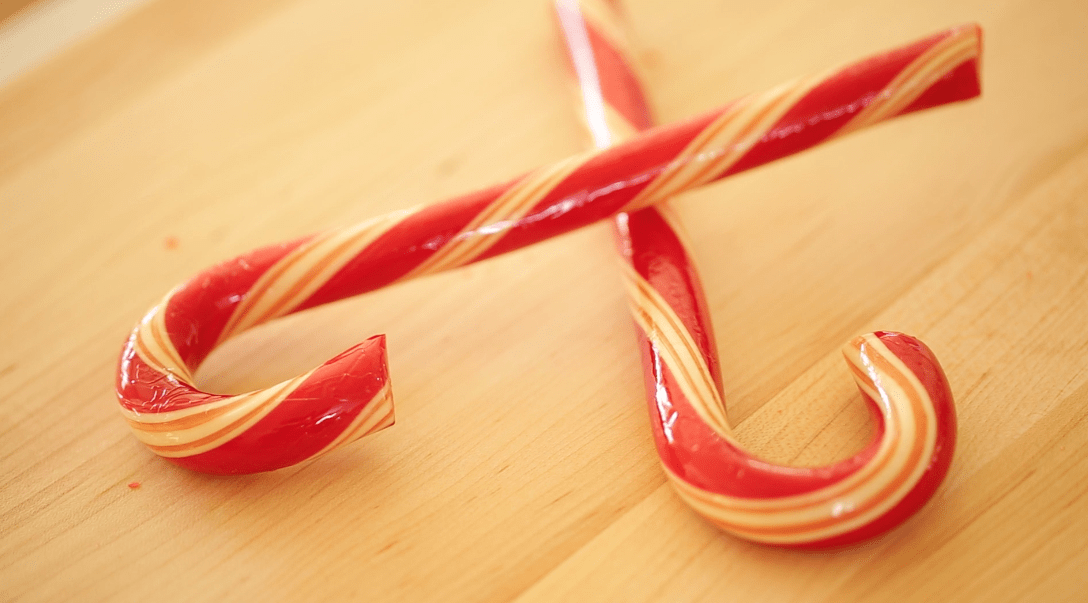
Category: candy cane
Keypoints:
(348, 397)
(793, 506)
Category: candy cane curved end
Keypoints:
(835, 505)
(342, 400)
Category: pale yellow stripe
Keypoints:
(498, 218)
(501, 214)
(916, 78)
(752, 124)
(725, 141)
(728, 119)
(618, 125)
(156, 348)
(270, 398)
(152, 418)
(317, 260)
(910, 83)
(607, 22)
(366, 422)
(910, 431)
(203, 429)
(679, 351)
(668, 213)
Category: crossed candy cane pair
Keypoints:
(349, 397)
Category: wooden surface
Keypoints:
(521, 467)
(10, 7)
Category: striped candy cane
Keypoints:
(348, 397)
(791, 506)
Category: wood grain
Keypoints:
(521, 466)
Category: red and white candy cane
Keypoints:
(793, 506)
(348, 397)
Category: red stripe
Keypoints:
(345, 385)
(619, 86)
(201, 307)
(703, 459)
(962, 83)
(657, 254)
(404, 246)
(603, 185)
(144, 389)
(831, 104)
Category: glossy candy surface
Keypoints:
(860, 497)
(349, 396)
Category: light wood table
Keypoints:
(521, 467)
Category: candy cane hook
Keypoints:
(899, 377)
(348, 397)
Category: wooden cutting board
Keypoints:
(521, 467)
